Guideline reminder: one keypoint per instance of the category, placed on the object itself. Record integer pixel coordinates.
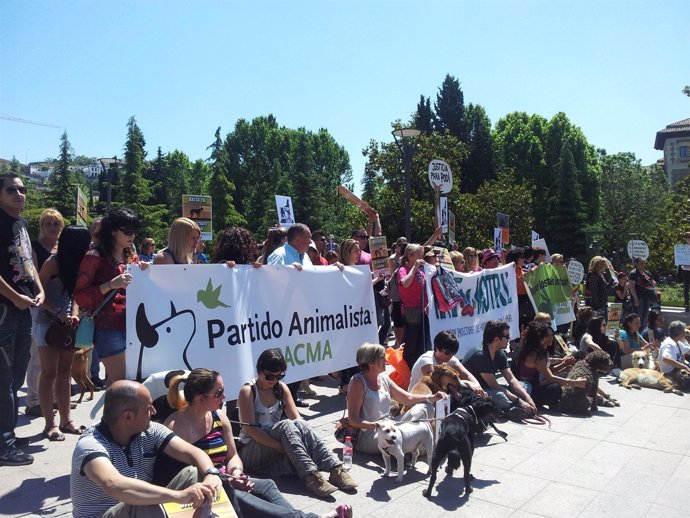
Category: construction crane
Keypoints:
(17, 119)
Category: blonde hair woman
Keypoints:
(471, 260)
(349, 252)
(183, 237)
(596, 284)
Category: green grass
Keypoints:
(671, 295)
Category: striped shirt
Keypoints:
(135, 460)
(214, 444)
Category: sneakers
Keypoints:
(341, 479)
(21, 442)
(16, 457)
(318, 485)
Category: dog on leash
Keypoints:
(456, 440)
(443, 378)
(80, 372)
(584, 401)
(397, 439)
(638, 378)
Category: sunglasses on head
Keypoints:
(15, 190)
(218, 393)
(274, 377)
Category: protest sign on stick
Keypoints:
(440, 176)
(638, 248)
(442, 214)
(286, 215)
(615, 310)
(504, 225)
(378, 249)
(681, 255)
(200, 209)
(355, 200)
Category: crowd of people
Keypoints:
(68, 270)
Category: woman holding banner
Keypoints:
(471, 260)
(183, 237)
(412, 287)
(103, 271)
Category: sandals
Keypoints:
(69, 428)
(54, 436)
(344, 511)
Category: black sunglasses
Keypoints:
(128, 231)
(15, 190)
(362, 237)
(218, 393)
(272, 377)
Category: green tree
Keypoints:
(450, 109)
(424, 118)
(62, 183)
(199, 177)
(178, 171)
(221, 188)
(480, 164)
(156, 175)
(566, 222)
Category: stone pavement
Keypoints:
(632, 461)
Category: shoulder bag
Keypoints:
(87, 324)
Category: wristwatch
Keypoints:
(213, 471)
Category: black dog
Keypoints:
(584, 401)
(465, 398)
(456, 441)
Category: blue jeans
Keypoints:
(266, 501)
(643, 310)
(15, 351)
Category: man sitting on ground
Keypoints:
(446, 346)
(485, 361)
(674, 352)
(113, 461)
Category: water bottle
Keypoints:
(347, 453)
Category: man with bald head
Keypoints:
(113, 461)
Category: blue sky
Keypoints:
(616, 68)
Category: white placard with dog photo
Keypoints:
(286, 214)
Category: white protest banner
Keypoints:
(541, 243)
(451, 227)
(487, 295)
(576, 271)
(498, 240)
(442, 214)
(286, 216)
(181, 317)
(535, 236)
(681, 254)
(638, 248)
(440, 176)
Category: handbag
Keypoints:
(343, 430)
(87, 325)
(60, 335)
(446, 291)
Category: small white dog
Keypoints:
(397, 439)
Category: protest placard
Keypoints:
(548, 287)
(638, 248)
(200, 209)
(378, 249)
(498, 240)
(355, 200)
(504, 225)
(451, 227)
(576, 271)
(442, 214)
(218, 507)
(681, 254)
(81, 208)
(285, 211)
(615, 310)
(541, 243)
(440, 176)
(223, 318)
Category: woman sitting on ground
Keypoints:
(280, 443)
(595, 339)
(655, 333)
(201, 421)
(183, 237)
(532, 367)
(370, 394)
(630, 340)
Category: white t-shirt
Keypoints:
(428, 359)
(671, 349)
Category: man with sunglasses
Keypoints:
(485, 361)
(20, 289)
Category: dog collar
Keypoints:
(467, 413)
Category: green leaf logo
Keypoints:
(210, 296)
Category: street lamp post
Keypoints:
(108, 171)
(401, 136)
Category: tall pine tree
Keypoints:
(222, 189)
(450, 109)
(424, 118)
(62, 183)
(565, 221)
(480, 164)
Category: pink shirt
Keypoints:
(364, 258)
(412, 295)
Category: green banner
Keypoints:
(549, 289)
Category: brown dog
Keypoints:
(638, 378)
(443, 378)
(80, 372)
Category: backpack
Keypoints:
(392, 287)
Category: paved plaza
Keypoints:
(631, 461)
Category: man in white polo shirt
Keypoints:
(674, 351)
